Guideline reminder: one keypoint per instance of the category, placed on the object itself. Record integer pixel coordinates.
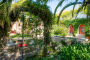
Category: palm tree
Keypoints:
(84, 3)
(4, 20)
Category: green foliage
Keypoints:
(60, 30)
(76, 23)
(63, 43)
(54, 44)
(87, 33)
(84, 4)
(42, 11)
(4, 21)
(67, 14)
(85, 10)
(64, 9)
(76, 52)
(71, 52)
(43, 1)
(39, 57)
(20, 35)
(59, 4)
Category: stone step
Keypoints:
(80, 36)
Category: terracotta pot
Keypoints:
(20, 45)
(24, 44)
(88, 37)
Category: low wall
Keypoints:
(57, 38)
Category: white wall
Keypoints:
(16, 27)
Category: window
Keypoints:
(71, 26)
(82, 30)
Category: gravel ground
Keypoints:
(17, 55)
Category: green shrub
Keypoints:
(87, 33)
(72, 52)
(54, 44)
(61, 31)
(75, 52)
(63, 43)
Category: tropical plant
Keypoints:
(67, 15)
(83, 3)
(4, 20)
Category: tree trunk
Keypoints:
(46, 38)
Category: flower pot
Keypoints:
(24, 44)
(88, 37)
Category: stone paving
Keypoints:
(6, 55)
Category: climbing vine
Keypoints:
(76, 23)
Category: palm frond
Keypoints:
(79, 9)
(2, 4)
(74, 8)
(59, 4)
(65, 8)
(88, 16)
(87, 12)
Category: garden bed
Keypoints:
(65, 52)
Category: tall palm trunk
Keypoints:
(46, 38)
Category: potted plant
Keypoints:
(87, 34)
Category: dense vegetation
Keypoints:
(76, 23)
(49, 53)
(59, 30)
(63, 52)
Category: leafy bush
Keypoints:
(75, 52)
(54, 44)
(71, 52)
(87, 33)
(63, 42)
(61, 31)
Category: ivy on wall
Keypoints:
(76, 23)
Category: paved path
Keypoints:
(16, 55)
